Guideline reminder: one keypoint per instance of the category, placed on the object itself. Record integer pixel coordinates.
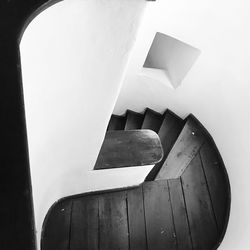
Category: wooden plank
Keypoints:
(56, 230)
(199, 208)
(168, 133)
(113, 222)
(116, 122)
(134, 120)
(152, 120)
(218, 183)
(137, 230)
(129, 148)
(180, 214)
(184, 150)
(84, 224)
(159, 221)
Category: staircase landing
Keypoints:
(184, 202)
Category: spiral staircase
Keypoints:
(183, 203)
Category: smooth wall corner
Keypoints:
(173, 56)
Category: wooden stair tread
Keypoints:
(134, 120)
(116, 122)
(184, 150)
(152, 120)
(168, 133)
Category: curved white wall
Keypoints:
(74, 56)
(216, 90)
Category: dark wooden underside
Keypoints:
(181, 213)
(189, 212)
(129, 148)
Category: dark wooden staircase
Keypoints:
(183, 203)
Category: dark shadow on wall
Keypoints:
(16, 211)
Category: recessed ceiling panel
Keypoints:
(171, 55)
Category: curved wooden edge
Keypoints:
(211, 141)
(129, 148)
(208, 138)
(69, 199)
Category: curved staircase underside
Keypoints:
(183, 203)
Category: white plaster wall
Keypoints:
(74, 56)
(216, 90)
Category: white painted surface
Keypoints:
(216, 90)
(74, 56)
(173, 56)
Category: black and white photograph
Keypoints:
(125, 124)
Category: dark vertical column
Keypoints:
(16, 210)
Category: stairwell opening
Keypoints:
(169, 60)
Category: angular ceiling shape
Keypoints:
(170, 58)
